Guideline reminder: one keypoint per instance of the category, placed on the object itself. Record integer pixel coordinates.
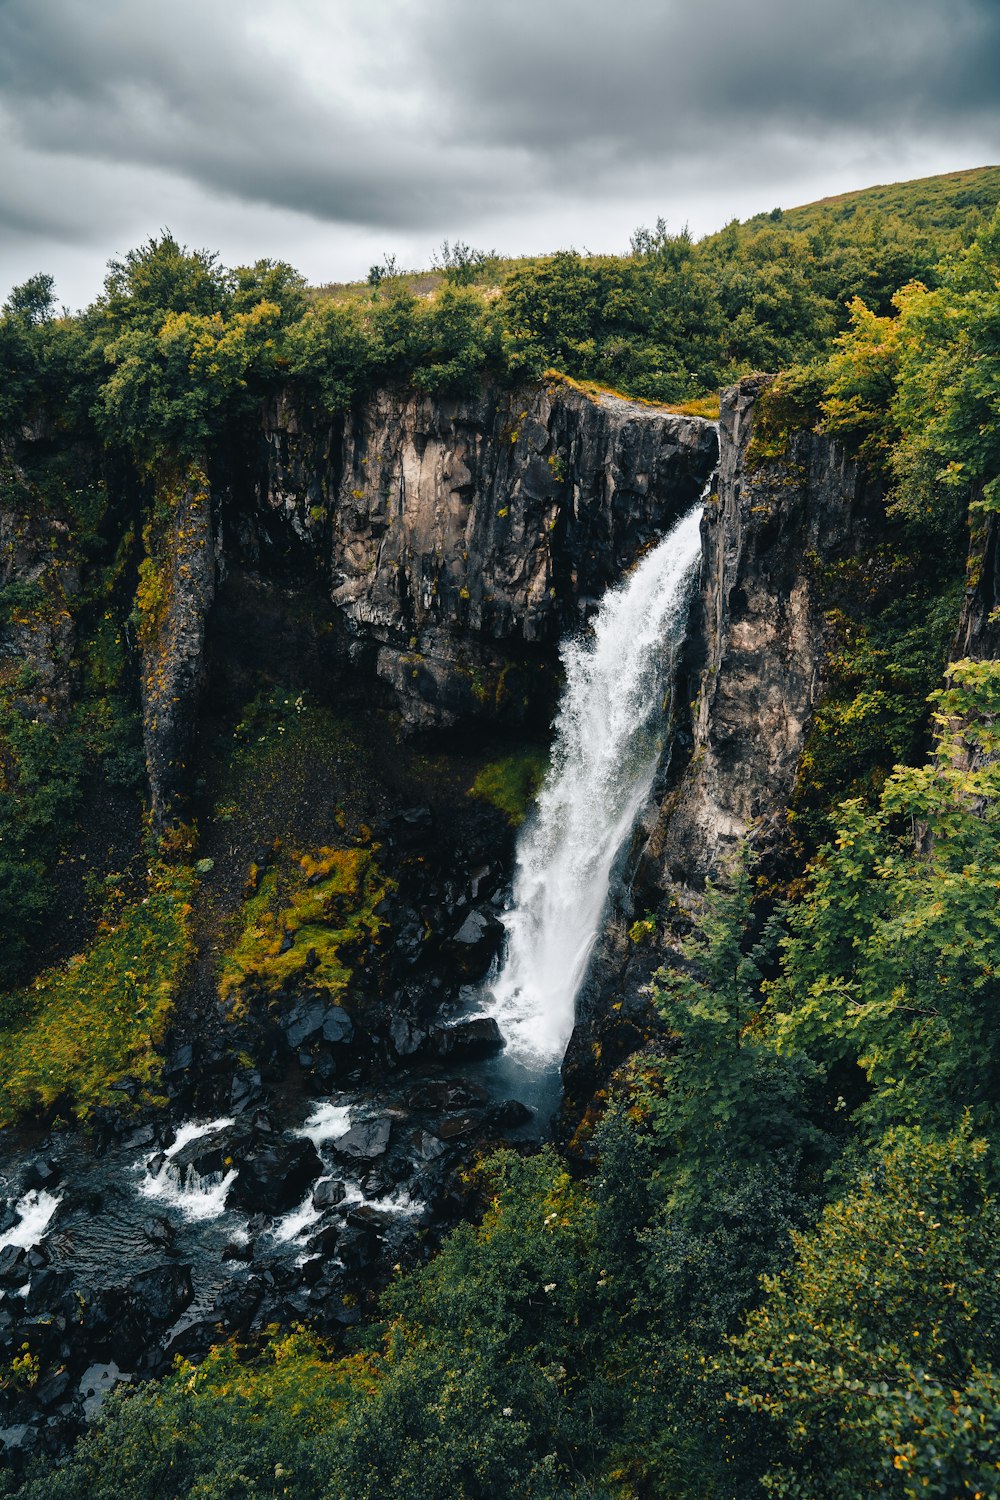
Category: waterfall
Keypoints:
(608, 738)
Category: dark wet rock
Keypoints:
(377, 1181)
(365, 1142)
(407, 1037)
(424, 1147)
(445, 1094)
(246, 1091)
(328, 1194)
(41, 1173)
(358, 1247)
(313, 1021)
(13, 1271)
(477, 1037)
(476, 943)
(158, 1230)
(238, 1303)
(237, 1250)
(161, 1294)
(459, 1125)
(365, 1216)
(411, 827)
(180, 1061)
(191, 1340)
(50, 1391)
(275, 1175)
(206, 1158)
(324, 1241)
(510, 1114)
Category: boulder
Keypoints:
(365, 1142)
(477, 1037)
(274, 1176)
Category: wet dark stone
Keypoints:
(378, 1181)
(446, 1093)
(51, 1390)
(366, 1141)
(324, 1241)
(13, 1271)
(159, 1231)
(238, 1250)
(162, 1294)
(357, 1247)
(179, 1061)
(246, 1091)
(37, 1258)
(274, 1177)
(477, 1037)
(424, 1147)
(41, 1174)
(458, 1125)
(510, 1114)
(476, 943)
(407, 1037)
(328, 1194)
(410, 827)
(366, 1217)
(201, 1156)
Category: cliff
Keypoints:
(759, 636)
(457, 540)
(462, 537)
(743, 704)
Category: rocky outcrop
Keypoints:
(978, 633)
(176, 590)
(39, 575)
(462, 537)
(744, 699)
(769, 532)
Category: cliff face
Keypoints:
(463, 537)
(754, 673)
(39, 574)
(759, 630)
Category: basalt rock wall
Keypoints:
(752, 675)
(462, 537)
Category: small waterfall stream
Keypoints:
(608, 738)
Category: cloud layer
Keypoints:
(319, 131)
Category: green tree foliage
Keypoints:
(891, 960)
(870, 1359)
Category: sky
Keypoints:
(330, 133)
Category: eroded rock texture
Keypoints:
(176, 591)
(462, 537)
(759, 628)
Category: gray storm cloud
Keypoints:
(428, 116)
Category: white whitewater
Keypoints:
(608, 737)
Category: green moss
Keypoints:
(511, 784)
(104, 1013)
(789, 404)
(312, 922)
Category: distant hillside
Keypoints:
(956, 200)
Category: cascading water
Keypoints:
(607, 744)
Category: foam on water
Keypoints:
(197, 1198)
(327, 1122)
(608, 738)
(34, 1214)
